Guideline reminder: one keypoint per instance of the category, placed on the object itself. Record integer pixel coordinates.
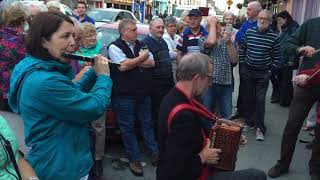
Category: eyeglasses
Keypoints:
(210, 76)
(172, 26)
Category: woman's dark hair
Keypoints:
(42, 27)
(285, 15)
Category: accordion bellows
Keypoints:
(225, 135)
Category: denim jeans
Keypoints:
(131, 110)
(222, 94)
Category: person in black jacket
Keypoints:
(130, 92)
(162, 77)
(182, 150)
(283, 87)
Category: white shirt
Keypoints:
(117, 55)
(172, 44)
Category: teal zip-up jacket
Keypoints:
(56, 113)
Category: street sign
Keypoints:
(229, 2)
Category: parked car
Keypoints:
(110, 15)
(66, 10)
(63, 8)
(107, 33)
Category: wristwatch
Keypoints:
(33, 178)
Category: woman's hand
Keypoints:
(301, 79)
(101, 65)
(209, 155)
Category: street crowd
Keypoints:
(63, 101)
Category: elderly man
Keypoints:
(172, 39)
(34, 10)
(191, 35)
(304, 42)
(182, 154)
(252, 14)
(259, 57)
(130, 94)
(229, 18)
(253, 10)
(162, 78)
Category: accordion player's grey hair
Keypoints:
(192, 64)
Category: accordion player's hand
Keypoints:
(209, 155)
(243, 140)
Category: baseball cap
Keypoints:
(195, 12)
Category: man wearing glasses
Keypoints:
(259, 56)
(172, 39)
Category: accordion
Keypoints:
(225, 135)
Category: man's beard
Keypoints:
(262, 27)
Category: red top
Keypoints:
(315, 80)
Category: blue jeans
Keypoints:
(222, 94)
(127, 111)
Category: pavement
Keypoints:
(256, 154)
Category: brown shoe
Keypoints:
(154, 160)
(136, 168)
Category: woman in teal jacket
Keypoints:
(56, 112)
(7, 170)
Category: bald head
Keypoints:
(253, 10)
(156, 27)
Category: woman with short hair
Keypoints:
(56, 112)
(12, 49)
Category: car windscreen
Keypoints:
(178, 12)
(102, 16)
(106, 36)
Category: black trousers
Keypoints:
(282, 87)
(255, 85)
(303, 99)
(239, 103)
(159, 89)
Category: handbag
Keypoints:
(9, 151)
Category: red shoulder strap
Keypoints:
(184, 106)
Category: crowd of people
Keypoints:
(63, 101)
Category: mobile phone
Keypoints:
(229, 28)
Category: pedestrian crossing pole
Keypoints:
(142, 10)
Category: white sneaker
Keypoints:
(259, 135)
(247, 128)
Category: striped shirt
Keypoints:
(260, 50)
(189, 42)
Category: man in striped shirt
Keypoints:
(259, 55)
(190, 37)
